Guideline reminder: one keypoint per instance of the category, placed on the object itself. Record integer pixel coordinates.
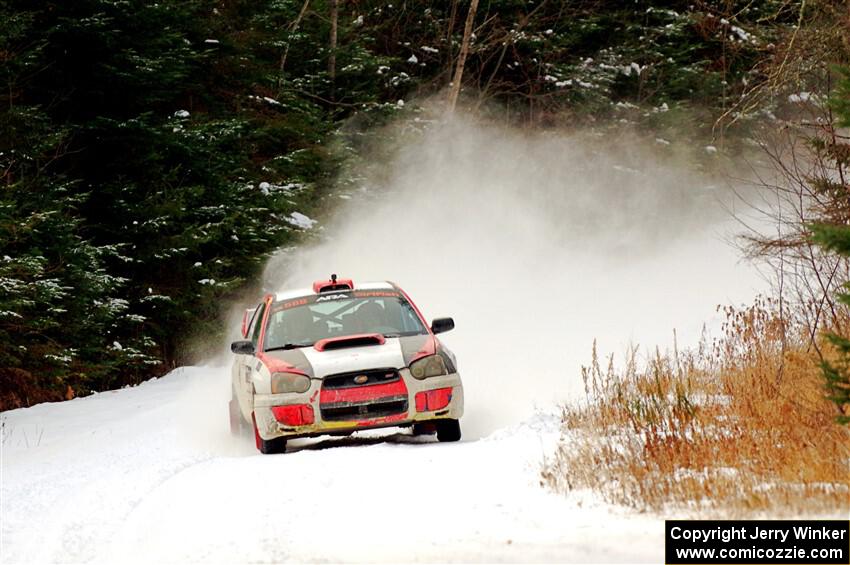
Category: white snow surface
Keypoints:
(151, 474)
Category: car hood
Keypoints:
(395, 352)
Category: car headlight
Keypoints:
(431, 366)
(289, 382)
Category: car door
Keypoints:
(246, 364)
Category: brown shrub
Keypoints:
(741, 424)
(18, 388)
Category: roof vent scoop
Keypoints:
(357, 340)
(333, 284)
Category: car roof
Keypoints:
(308, 291)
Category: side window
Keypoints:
(250, 329)
(258, 323)
(253, 320)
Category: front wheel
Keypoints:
(424, 428)
(448, 430)
(268, 446)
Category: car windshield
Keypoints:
(303, 321)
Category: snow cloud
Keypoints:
(537, 244)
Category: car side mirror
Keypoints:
(440, 325)
(242, 347)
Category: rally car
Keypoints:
(340, 357)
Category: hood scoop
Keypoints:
(356, 340)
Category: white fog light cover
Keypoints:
(289, 382)
(430, 366)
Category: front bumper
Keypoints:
(269, 428)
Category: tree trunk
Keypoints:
(292, 29)
(334, 5)
(449, 32)
(454, 91)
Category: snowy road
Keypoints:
(127, 476)
(537, 245)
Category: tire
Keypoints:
(268, 446)
(424, 428)
(448, 430)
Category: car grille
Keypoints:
(363, 395)
(378, 408)
(373, 377)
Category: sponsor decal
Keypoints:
(305, 300)
(376, 293)
(326, 297)
(293, 303)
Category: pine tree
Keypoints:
(57, 301)
(127, 212)
(837, 238)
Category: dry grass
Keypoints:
(740, 425)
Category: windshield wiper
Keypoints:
(288, 346)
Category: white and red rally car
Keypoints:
(339, 358)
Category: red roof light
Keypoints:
(332, 284)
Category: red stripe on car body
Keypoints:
(276, 365)
(428, 348)
(359, 394)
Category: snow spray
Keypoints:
(537, 244)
